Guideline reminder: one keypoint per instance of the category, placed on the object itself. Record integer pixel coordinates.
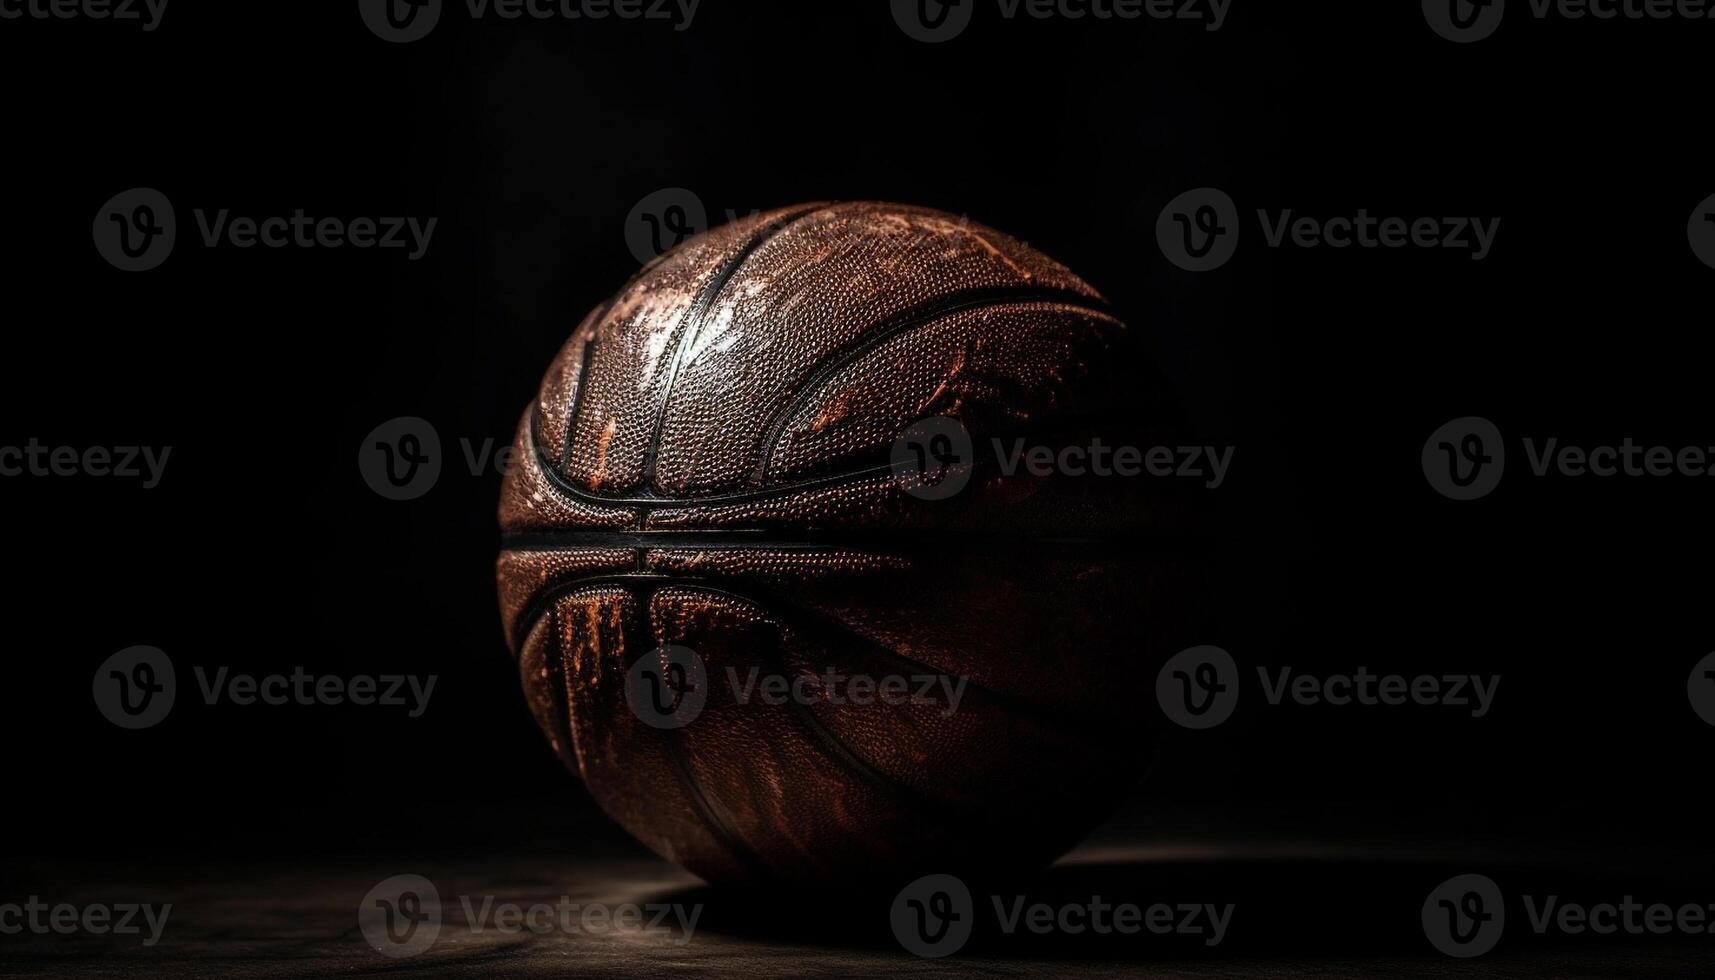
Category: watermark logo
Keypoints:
(1700, 687)
(933, 916)
(135, 230)
(1198, 231)
(935, 21)
(1198, 688)
(145, 12)
(135, 687)
(146, 464)
(1701, 231)
(100, 919)
(663, 220)
(1464, 21)
(932, 459)
(1464, 459)
(401, 459)
(400, 21)
(401, 916)
(668, 687)
(1464, 916)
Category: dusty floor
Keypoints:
(1291, 909)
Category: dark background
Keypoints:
(263, 549)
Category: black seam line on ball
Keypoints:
(903, 323)
(817, 732)
(921, 317)
(680, 763)
(719, 827)
(880, 541)
(596, 322)
(561, 691)
(648, 502)
(838, 635)
(584, 361)
(544, 600)
(642, 588)
(699, 312)
(554, 663)
(839, 638)
(558, 481)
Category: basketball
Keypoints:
(782, 590)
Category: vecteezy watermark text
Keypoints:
(567, 916)
(409, 691)
(148, 13)
(136, 688)
(1199, 231)
(403, 915)
(1199, 688)
(1206, 463)
(1466, 915)
(935, 916)
(403, 21)
(934, 21)
(669, 687)
(145, 463)
(839, 689)
(101, 919)
(933, 459)
(136, 231)
(1465, 459)
(1464, 21)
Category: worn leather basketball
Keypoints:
(773, 652)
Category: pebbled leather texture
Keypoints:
(706, 466)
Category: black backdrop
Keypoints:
(263, 549)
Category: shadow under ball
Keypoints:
(703, 499)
